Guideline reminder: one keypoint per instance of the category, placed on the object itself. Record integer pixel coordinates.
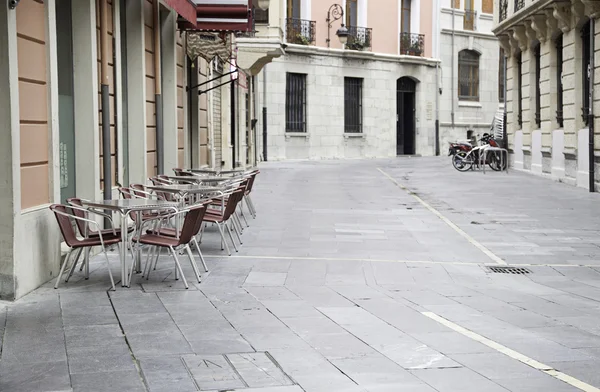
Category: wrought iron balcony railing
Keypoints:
(469, 20)
(300, 31)
(503, 9)
(360, 38)
(412, 44)
(519, 4)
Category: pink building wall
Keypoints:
(383, 17)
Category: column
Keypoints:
(85, 87)
(136, 91)
(9, 150)
(169, 89)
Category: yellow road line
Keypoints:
(447, 221)
(513, 354)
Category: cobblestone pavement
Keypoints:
(366, 276)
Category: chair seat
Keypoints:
(212, 217)
(159, 240)
(165, 231)
(110, 239)
(109, 232)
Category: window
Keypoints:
(455, 3)
(487, 6)
(260, 16)
(470, 16)
(352, 13)
(538, 57)
(468, 75)
(519, 60)
(406, 10)
(294, 9)
(559, 85)
(295, 103)
(585, 72)
(353, 105)
(501, 60)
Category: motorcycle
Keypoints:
(465, 156)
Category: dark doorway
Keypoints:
(405, 116)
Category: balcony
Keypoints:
(300, 31)
(412, 44)
(359, 38)
(519, 4)
(469, 20)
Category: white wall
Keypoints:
(325, 138)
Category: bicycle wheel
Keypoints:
(461, 161)
(496, 163)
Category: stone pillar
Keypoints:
(571, 89)
(10, 185)
(136, 91)
(169, 88)
(85, 86)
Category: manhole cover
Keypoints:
(509, 270)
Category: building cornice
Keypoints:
(468, 33)
(360, 55)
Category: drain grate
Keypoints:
(509, 270)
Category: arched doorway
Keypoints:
(405, 116)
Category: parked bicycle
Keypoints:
(467, 157)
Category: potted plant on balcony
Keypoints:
(301, 39)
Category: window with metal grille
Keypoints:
(295, 103)
(353, 105)
(519, 60)
(501, 76)
(538, 109)
(468, 75)
(585, 79)
(559, 84)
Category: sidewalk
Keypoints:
(367, 276)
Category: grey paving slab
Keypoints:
(167, 374)
(213, 372)
(541, 382)
(258, 370)
(34, 377)
(457, 379)
(109, 381)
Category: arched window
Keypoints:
(468, 75)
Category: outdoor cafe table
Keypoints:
(181, 191)
(125, 207)
(198, 179)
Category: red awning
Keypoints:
(185, 8)
(223, 15)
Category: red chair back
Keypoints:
(64, 224)
(191, 224)
(81, 225)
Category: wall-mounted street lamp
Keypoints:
(336, 12)
(264, 4)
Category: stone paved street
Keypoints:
(356, 276)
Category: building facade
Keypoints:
(469, 54)
(84, 81)
(383, 93)
(551, 74)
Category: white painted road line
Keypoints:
(447, 221)
(513, 354)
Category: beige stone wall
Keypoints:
(181, 96)
(111, 91)
(33, 103)
(150, 90)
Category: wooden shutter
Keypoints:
(487, 6)
(456, 3)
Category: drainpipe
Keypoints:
(160, 140)
(437, 110)
(105, 98)
(264, 119)
(504, 119)
(453, 84)
(591, 110)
